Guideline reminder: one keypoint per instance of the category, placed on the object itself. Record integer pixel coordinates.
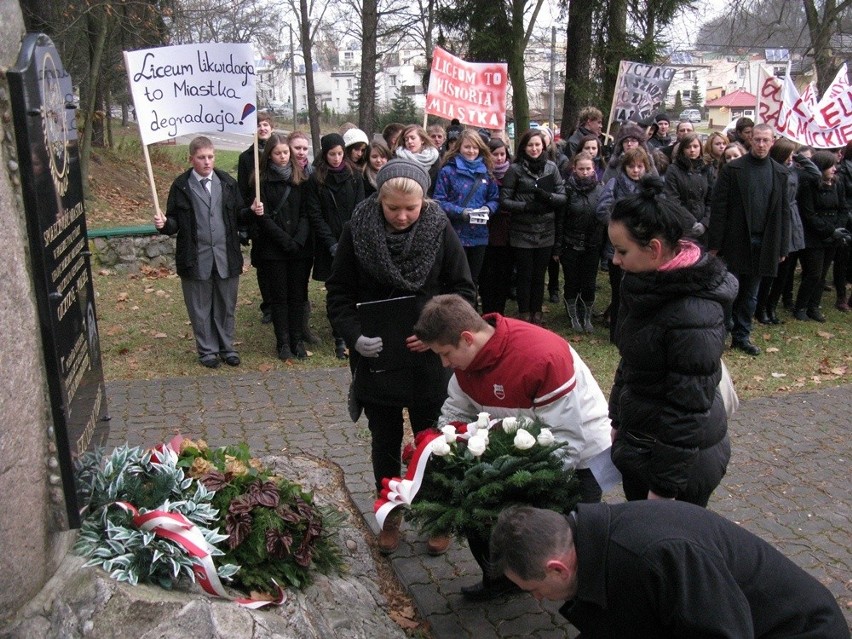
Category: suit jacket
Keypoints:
(180, 219)
(730, 220)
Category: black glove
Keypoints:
(841, 237)
(333, 249)
(465, 216)
(543, 196)
(532, 207)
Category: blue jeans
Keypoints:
(744, 305)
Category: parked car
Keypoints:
(691, 115)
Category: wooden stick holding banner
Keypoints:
(618, 80)
(158, 213)
(256, 168)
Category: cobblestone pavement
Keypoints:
(788, 480)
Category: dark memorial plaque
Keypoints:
(48, 155)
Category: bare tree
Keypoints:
(252, 21)
(369, 60)
(310, 18)
(805, 26)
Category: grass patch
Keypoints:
(145, 334)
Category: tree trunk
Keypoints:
(579, 91)
(99, 27)
(614, 51)
(515, 60)
(313, 111)
(369, 61)
(821, 30)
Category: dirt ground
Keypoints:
(121, 194)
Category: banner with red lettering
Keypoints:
(472, 92)
(823, 124)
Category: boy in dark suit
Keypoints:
(203, 209)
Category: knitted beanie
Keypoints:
(331, 140)
(401, 167)
(354, 136)
(662, 117)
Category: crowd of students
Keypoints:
(691, 234)
(521, 218)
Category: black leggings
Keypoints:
(532, 266)
(386, 426)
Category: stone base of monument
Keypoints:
(86, 602)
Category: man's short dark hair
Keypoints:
(444, 318)
(589, 113)
(525, 538)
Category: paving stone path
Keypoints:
(788, 480)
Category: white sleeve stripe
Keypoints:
(567, 386)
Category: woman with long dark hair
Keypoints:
(334, 190)
(280, 248)
(670, 439)
(533, 192)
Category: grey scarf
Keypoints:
(402, 260)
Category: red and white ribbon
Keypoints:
(397, 491)
(177, 528)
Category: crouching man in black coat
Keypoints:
(661, 569)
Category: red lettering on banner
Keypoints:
(475, 93)
(844, 103)
(831, 115)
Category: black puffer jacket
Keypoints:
(822, 209)
(671, 336)
(579, 228)
(533, 222)
(330, 207)
(283, 231)
(691, 184)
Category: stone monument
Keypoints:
(52, 399)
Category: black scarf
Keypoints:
(535, 165)
(402, 260)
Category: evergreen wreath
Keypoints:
(108, 536)
(467, 483)
(275, 531)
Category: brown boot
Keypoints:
(390, 534)
(437, 544)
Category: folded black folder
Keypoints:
(393, 320)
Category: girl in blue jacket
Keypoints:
(469, 194)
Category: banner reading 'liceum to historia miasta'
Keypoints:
(474, 93)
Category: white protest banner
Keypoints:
(193, 88)
(472, 92)
(639, 91)
(823, 124)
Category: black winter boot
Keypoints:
(307, 334)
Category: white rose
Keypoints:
(482, 420)
(472, 429)
(440, 447)
(545, 437)
(510, 425)
(523, 440)
(476, 445)
(449, 433)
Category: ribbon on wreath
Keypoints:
(398, 491)
(177, 528)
